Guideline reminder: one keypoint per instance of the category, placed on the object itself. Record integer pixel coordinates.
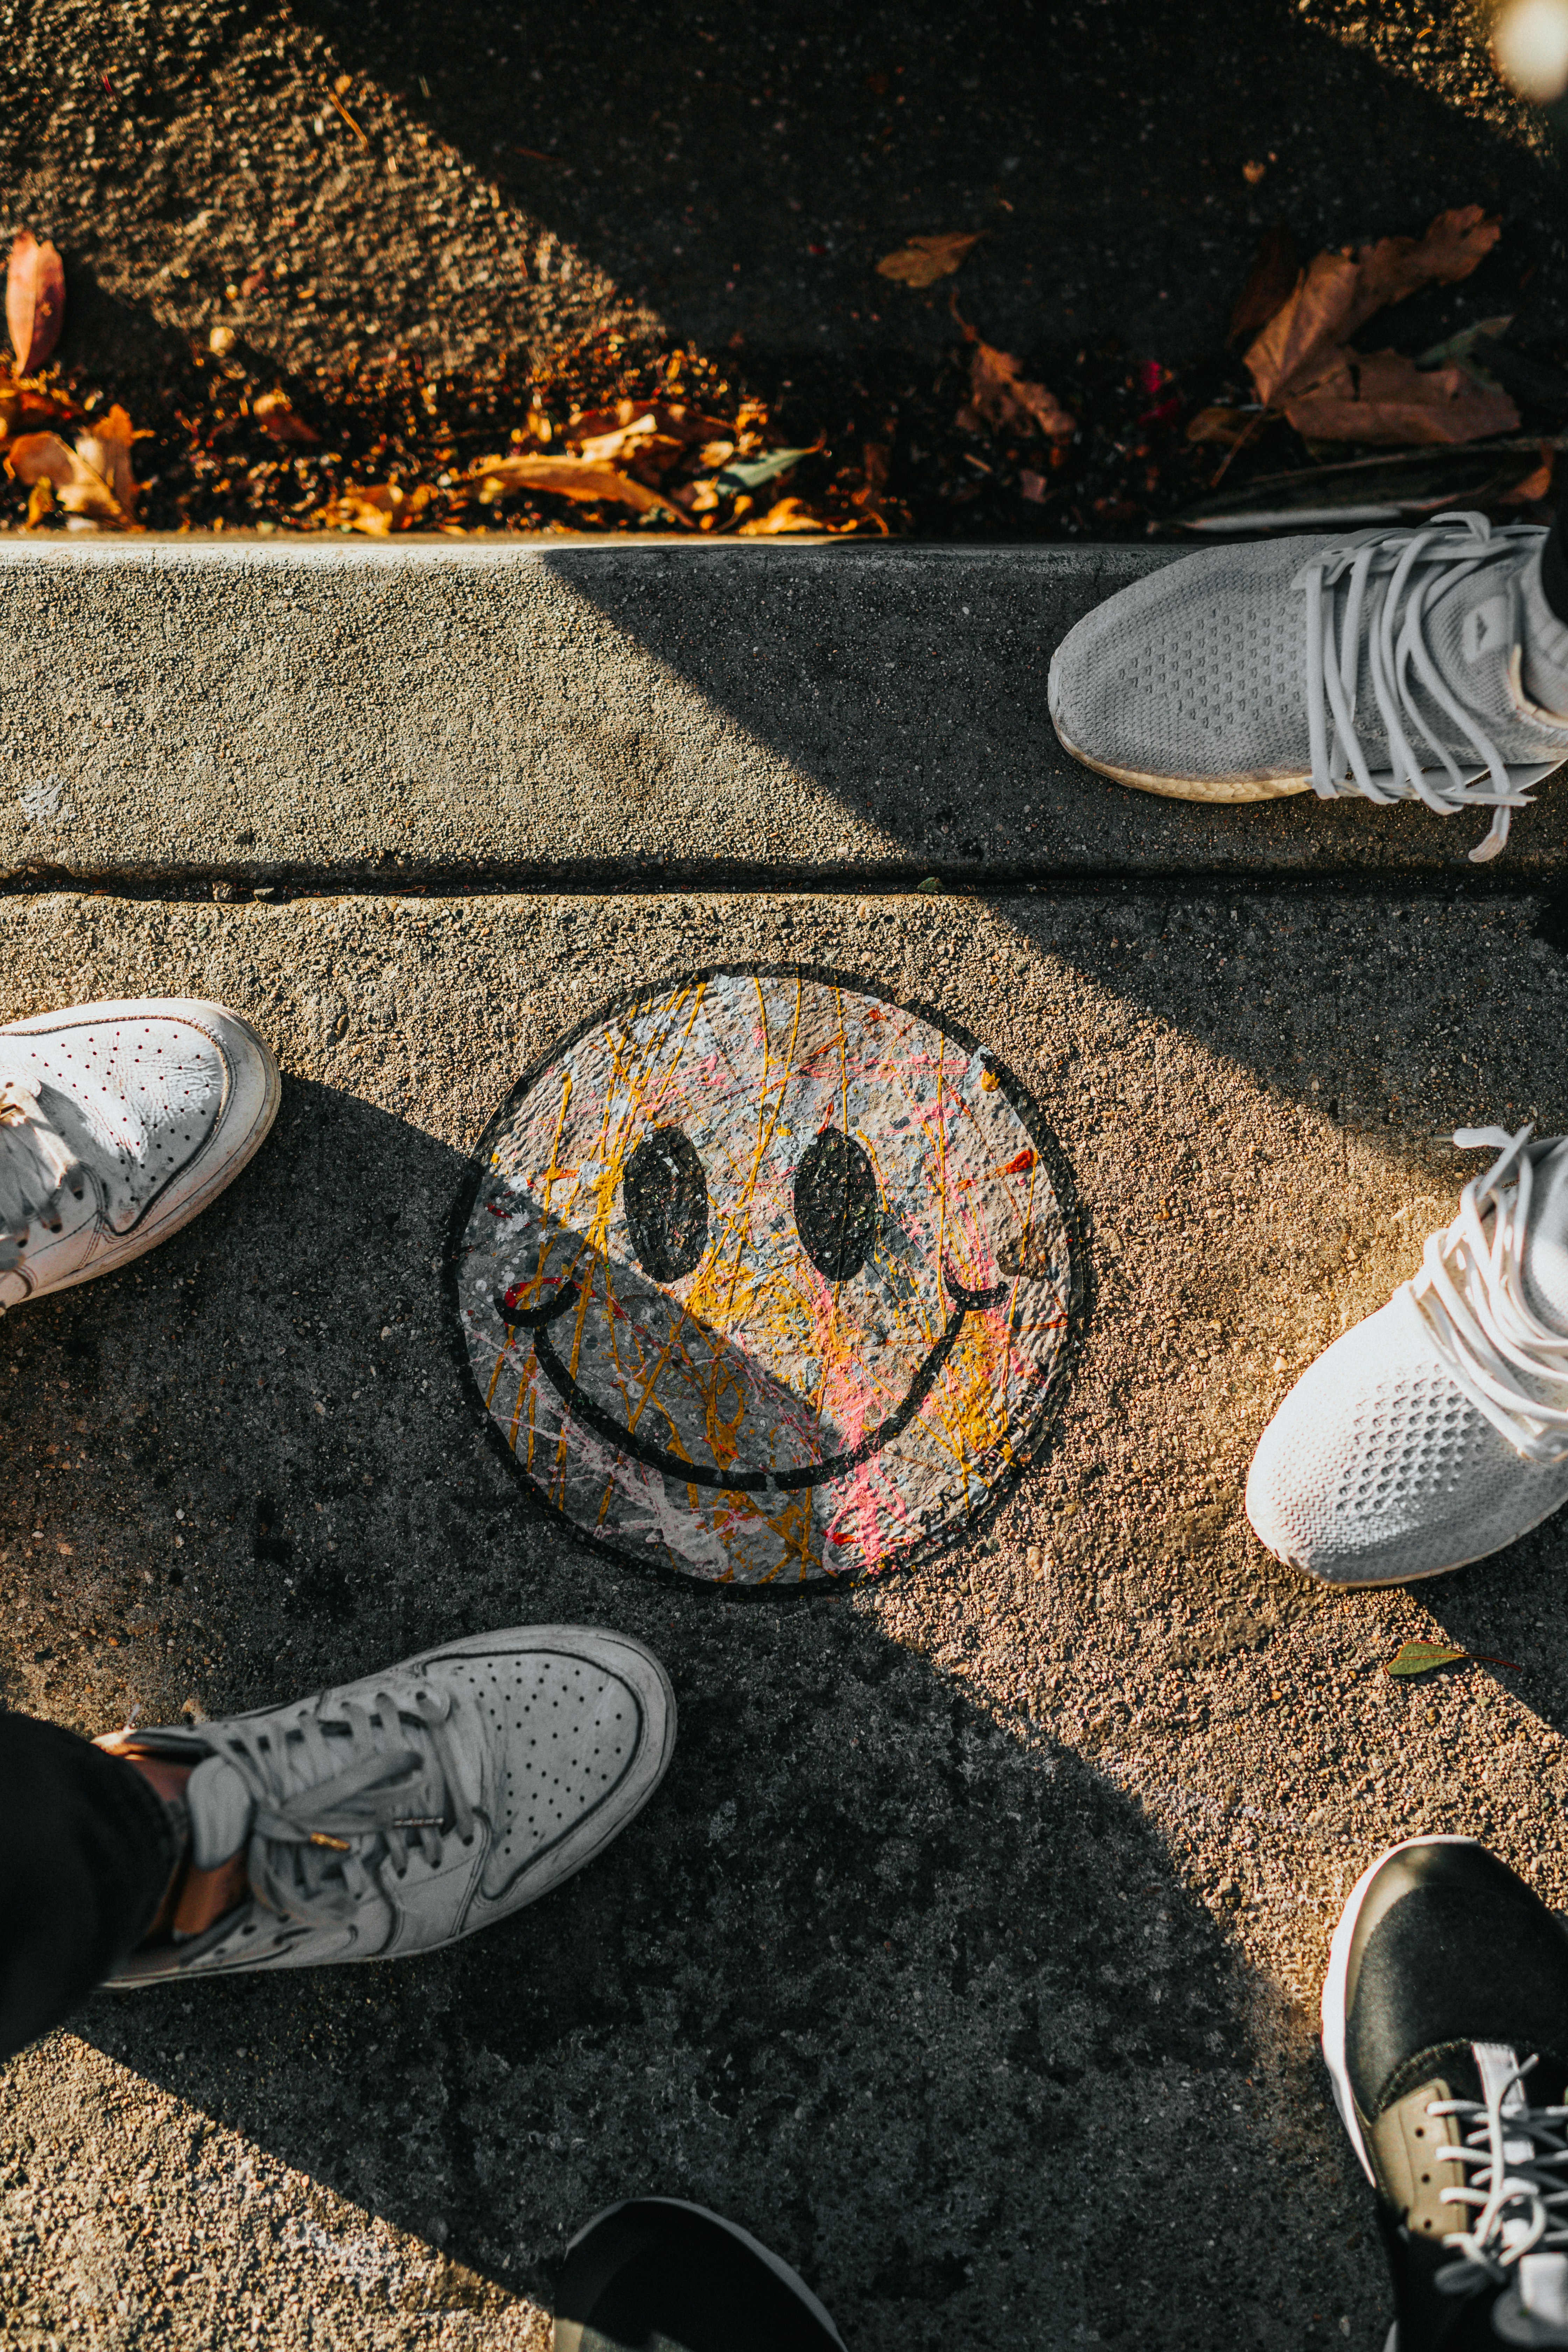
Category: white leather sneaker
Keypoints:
(400, 1812)
(1437, 1431)
(118, 1123)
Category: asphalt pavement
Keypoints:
(969, 1954)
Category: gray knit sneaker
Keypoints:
(118, 1123)
(398, 1813)
(1391, 663)
(1437, 1431)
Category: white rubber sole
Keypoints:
(779, 2268)
(1333, 2001)
(1223, 792)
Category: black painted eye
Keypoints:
(665, 1196)
(836, 1205)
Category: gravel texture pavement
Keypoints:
(192, 714)
(970, 1952)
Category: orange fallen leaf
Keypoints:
(274, 412)
(924, 259)
(1339, 292)
(1036, 488)
(377, 510)
(1383, 397)
(569, 478)
(35, 300)
(1001, 396)
(784, 517)
(93, 482)
(1534, 486)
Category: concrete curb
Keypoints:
(576, 711)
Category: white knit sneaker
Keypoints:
(117, 1124)
(1390, 663)
(1437, 1431)
(398, 1813)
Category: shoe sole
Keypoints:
(1222, 790)
(1333, 2000)
(567, 2336)
(238, 1155)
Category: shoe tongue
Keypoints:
(221, 1812)
(1545, 1262)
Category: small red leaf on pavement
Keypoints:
(35, 300)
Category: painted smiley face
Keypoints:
(762, 1276)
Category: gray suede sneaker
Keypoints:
(1388, 662)
(118, 1123)
(400, 1812)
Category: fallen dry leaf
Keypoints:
(924, 259)
(1383, 398)
(93, 483)
(35, 300)
(569, 478)
(1036, 488)
(1423, 1658)
(378, 510)
(784, 517)
(1002, 397)
(1270, 281)
(1223, 425)
(1426, 1657)
(1339, 292)
(274, 412)
(1534, 486)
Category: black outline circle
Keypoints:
(1028, 1450)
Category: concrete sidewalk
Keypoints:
(188, 713)
(974, 1892)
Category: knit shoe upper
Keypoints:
(399, 1812)
(1445, 2015)
(119, 1122)
(1387, 663)
(1437, 1431)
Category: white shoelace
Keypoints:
(1471, 1296)
(1380, 582)
(36, 1164)
(375, 1788)
(1515, 2183)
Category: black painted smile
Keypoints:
(538, 1321)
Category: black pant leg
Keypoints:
(1554, 564)
(90, 1848)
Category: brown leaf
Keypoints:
(569, 478)
(1339, 291)
(1383, 397)
(378, 510)
(1225, 425)
(1036, 488)
(1276, 266)
(784, 516)
(35, 300)
(924, 259)
(1536, 485)
(274, 412)
(40, 502)
(93, 482)
(1002, 397)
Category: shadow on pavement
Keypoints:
(884, 1972)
